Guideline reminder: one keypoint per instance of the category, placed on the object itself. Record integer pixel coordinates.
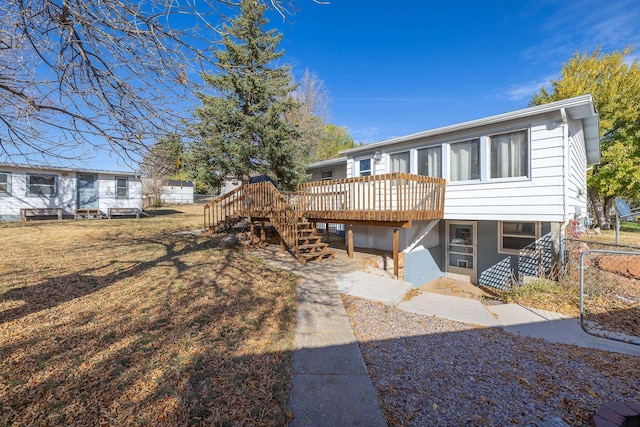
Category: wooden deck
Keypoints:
(391, 200)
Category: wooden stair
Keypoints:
(263, 200)
(310, 245)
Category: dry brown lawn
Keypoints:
(122, 322)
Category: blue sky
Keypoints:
(394, 68)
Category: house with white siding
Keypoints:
(513, 183)
(40, 189)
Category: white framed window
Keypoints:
(509, 154)
(41, 185)
(465, 160)
(430, 161)
(122, 188)
(364, 167)
(514, 236)
(326, 175)
(400, 162)
(5, 184)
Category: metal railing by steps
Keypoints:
(263, 200)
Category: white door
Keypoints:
(461, 248)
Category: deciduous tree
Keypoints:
(614, 81)
(76, 75)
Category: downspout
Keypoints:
(565, 187)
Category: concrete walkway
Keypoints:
(331, 385)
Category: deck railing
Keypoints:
(389, 197)
(259, 200)
(392, 197)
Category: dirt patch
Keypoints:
(458, 288)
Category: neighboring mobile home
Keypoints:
(176, 191)
(66, 190)
(513, 183)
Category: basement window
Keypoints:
(514, 236)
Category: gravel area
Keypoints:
(431, 371)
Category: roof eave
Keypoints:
(570, 104)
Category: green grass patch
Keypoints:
(632, 227)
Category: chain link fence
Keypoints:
(609, 279)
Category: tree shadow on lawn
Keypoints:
(186, 357)
(61, 289)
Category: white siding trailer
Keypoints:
(513, 183)
(28, 190)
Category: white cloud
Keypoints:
(366, 135)
(525, 90)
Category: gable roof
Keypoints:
(579, 107)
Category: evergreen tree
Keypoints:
(241, 128)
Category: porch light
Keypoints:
(377, 156)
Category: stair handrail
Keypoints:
(223, 207)
(264, 199)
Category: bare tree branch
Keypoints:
(81, 75)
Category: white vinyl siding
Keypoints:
(430, 161)
(509, 155)
(577, 180)
(5, 184)
(465, 160)
(540, 197)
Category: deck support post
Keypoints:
(326, 231)
(263, 233)
(252, 229)
(396, 244)
(350, 241)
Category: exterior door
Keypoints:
(461, 248)
(87, 191)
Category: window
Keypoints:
(517, 235)
(326, 175)
(509, 155)
(430, 161)
(5, 184)
(400, 162)
(122, 188)
(364, 167)
(465, 160)
(41, 185)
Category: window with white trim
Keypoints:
(364, 167)
(430, 161)
(326, 175)
(41, 185)
(509, 155)
(122, 188)
(5, 184)
(400, 162)
(465, 160)
(514, 236)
